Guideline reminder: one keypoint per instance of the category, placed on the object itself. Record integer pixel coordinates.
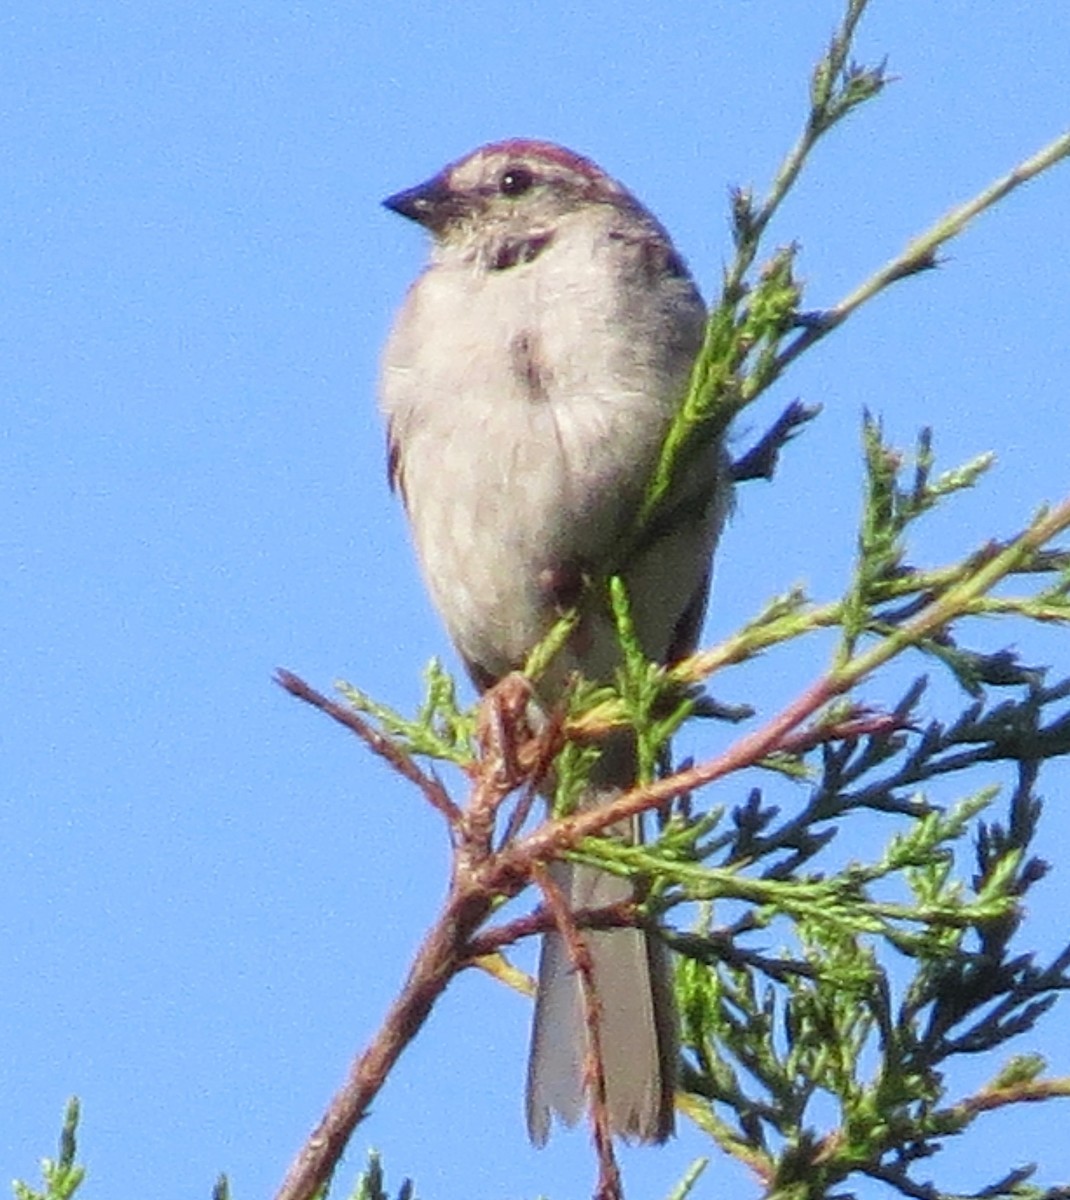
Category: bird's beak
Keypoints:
(430, 204)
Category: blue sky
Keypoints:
(211, 892)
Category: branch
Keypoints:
(920, 254)
(377, 742)
(608, 1186)
(442, 954)
(491, 941)
(1027, 1092)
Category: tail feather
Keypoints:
(630, 973)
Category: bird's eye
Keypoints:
(515, 181)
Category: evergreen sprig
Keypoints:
(61, 1176)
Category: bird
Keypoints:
(527, 385)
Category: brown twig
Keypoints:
(482, 877)
(859, 722)
(491, 941)
(1028, 1091)
(511, 756)
(439, 958)
(548, 744)
(452, 942)
(555, 836)
(446, 949)
(377, 742)
(608, 1186)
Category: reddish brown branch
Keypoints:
(1029, 1091)
(553, 837)
(482, 876)
(438, 960)
(547, 746)
(594, 1072)
(403, 763)
(491, 941)
(504, 741)
(859, 722)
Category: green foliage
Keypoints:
(370, 1185)
(868, 999)
(652, 706)
(742, 354)
(61, 1176)
(440, 730)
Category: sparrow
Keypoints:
(527, 386)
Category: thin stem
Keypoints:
(608, 1186)
(377, 742)
(920, 253)
(830, 68)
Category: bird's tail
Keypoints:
(638, 1024)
